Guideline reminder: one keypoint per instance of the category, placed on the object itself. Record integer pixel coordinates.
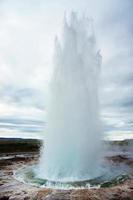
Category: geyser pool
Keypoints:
(72, 145)
(111, 176)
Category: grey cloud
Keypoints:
(21, 125)
(27, 30)
(23, 96)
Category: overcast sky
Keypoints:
(27, 32)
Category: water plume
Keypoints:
(72, 145)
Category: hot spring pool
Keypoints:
(109, 177)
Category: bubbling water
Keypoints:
(73, 139)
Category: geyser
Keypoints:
(72, 147)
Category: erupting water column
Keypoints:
(73, 138)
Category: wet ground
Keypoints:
(15, 154)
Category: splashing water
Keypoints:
(73, 139)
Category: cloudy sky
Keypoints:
(27, 32)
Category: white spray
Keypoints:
(73, 139)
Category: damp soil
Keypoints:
(26, 152)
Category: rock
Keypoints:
(4, 198)
(11, 189)
(42, 194)
(21, 197)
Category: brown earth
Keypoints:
(11, 189)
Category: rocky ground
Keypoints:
(17, 153)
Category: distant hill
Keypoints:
(19, 145)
